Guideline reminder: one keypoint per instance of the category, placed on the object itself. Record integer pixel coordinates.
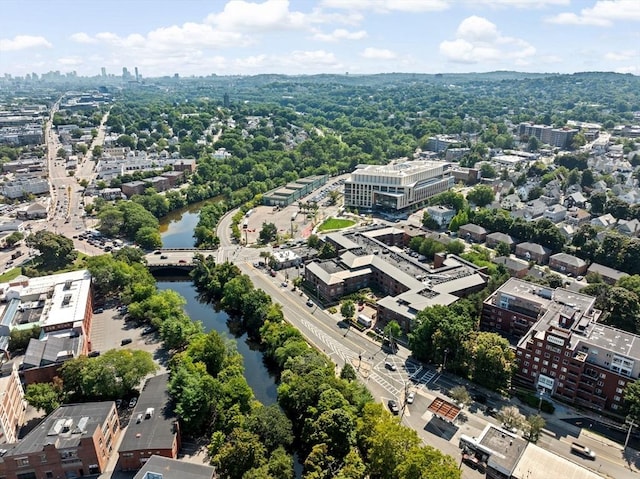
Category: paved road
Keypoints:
(322, 330)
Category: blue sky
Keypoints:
(200, 37)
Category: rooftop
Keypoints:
(506, 448)
(159, 467)
(152, 421)
(65, 427)
(538, 463)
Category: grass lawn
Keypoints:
(335, 224)
(9, 275)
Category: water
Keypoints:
(176, 230)
(260, 379)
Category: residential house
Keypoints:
(566, 263)
(629, 228)
(517, 268)
(603, 221)
(75, 440)
(133, 188)
(577, 216)
(471, 232)
(533, 252)
(575, 199)
(441, 214)
(535, 208)
(567, 231)
(511, 202)
(493, 239)
(32, 212)
(555, 213)
(609, 275)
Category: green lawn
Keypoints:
(335, 224)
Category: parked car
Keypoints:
(98, 311)
(393, 406)
(164, 256)
(94, 354)
(126, 341)
(133, 402)
(411, 397)
(118, 403)
(309, 303)
(149, 330)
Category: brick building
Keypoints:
(153, 428)
(74, 440)
(566, 263)
(533, 252)
(12, 406)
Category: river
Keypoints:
(177, 232)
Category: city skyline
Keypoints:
(232, 37)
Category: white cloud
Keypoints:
(478, 40)
(22, 42)
(520, 3)
(378, 54)
(70, 61)
(385, 6)
(633, 69)
(297, 62)
(623, 56)
(339, 34)
(82, 37)
(603, 13)
(239, 15)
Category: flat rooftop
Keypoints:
(506, 448)
(537, 463)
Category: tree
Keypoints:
(488, 171)
(55, 250)
(455, 247)
(348, 310)
(348, 373)
(493, 362)
(392, 331)
(272, 426)
(327, 251)
(13, 238)
(268, 233)
(96, 152)
(19, 338)
(533, 144)
(533, 426)
(148, 237)
(426, 462)
(632, 400)
(460, 395)
(333, 197)
(61, 153)
(45, 396)
(502, 249)
(511, 417)
(242, 452)
(481, 195)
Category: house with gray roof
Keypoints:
(566, 263)
(473, 233)
(533, 252)
(158, 467)
(493, 239)
(609, 275)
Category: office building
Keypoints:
(12, 405)
(398, 186)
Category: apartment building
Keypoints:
(12, 406)
(398, 186)
(559, 137)
(73, 441)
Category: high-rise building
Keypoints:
(401, 185)
(103, 72)
(137, 76)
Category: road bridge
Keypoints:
(174, 258)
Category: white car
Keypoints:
(285, 284)
(410, 397)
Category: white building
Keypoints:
(397, 186)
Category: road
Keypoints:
(324, 332)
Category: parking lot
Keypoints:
(290, 221)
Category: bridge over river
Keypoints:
(174, 258)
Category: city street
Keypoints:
(367, 357)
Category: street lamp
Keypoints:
(444, 363)
(541, 391)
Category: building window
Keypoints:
(538, 351)
(619, 390)
(600, 383)
(49, 474)
(526, 363)
(23, 461)
(616, 398)
(525, 371)
(562, 376)
(545, 363)
(621, 382)
(536, 360)
(565, 362)
(547, 355)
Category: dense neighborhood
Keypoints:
(490, 246)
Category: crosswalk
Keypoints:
(418, 374)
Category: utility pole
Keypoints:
(626, 442)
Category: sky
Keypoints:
(247, 37)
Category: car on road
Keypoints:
(390, 365)
(491, 411)
(393, 406)
(285, 284)
(94, 354)
(164, 256)
(182, 261)
(126, 341)
(98, 311)
(133, 402)
(157, 252)
(579, 278)
(309, 303)
(411, 397)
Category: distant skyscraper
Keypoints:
(125, 73)
(225, 100)
(137, 77)
(103, 72)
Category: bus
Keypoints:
(245, 225)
